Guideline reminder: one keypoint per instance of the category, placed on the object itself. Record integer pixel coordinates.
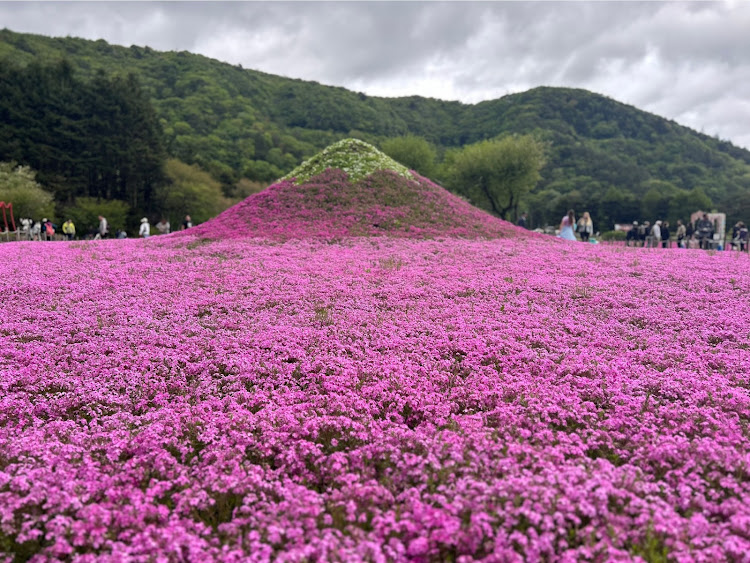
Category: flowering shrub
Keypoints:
(380, 399)
(357, 158)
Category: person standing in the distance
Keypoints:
(522, 221)
(103, 229)
(145, 230)
(631, 237)
(36, 231)
(26, 228)
(739, 236)
(48, 229)
(163, 227)
(704, 231)
(567, 225)
(69, 229)
(665, 234)
(681, 234)
(643, 233)
(187, 223)
(689, 232)
(743, 235)
(585, 226)
(656, 235)
(735, 235)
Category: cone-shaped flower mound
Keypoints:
(351, 189)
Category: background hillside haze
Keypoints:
(242, 129)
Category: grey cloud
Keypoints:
(688, 61)
(706, 32)
(371, 40)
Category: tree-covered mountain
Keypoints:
(615, 160)
(94, 138)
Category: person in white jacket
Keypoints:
(103, 229)
(656, 235)
(145, 230)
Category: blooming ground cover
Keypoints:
(334, 205)
(352, 189)
(381, 399)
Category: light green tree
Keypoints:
(19, 187)
(413, 152)
(495, 174)
(189, 191)
(244, 188)
(85, 214)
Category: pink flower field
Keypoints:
(376, 399)
(372, 370)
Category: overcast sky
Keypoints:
(688, 61)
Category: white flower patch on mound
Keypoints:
(357, 158)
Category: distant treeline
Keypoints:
(85, 138)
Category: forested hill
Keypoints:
(618, 161)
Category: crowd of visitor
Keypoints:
(659, 235)
(47, 230)
(698, 235)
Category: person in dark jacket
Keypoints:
(644, 230)
(631, 237)
(739, 236)
(704, 231)
(522, 221)
(665, 234)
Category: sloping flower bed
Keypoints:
(330, 206)
(348, 190)
(373, 399)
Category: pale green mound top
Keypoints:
(357, 158)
